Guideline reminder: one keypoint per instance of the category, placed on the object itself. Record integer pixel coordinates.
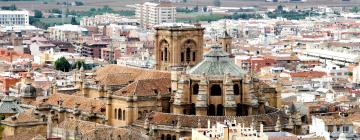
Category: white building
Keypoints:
(333, 128)
(11, 18)
(150, 14)
(228, 131)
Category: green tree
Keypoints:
(78, 64)
(279, 9)
(13, 7)
(73, 21)
(56, 10)
(355, 9)
(38, 14)
(62, 64)
(217, 3)
(79, 3)
(196, 8)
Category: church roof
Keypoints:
(146, 87)
(8, 106)
(217, 62)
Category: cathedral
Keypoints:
(188, 89)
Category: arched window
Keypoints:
(188, 53)
(236, 89)
(162, 137)
(119, 114)
(173, 137)
(182, 57)
(195, 89)
(115, 113)
(124, 114)
(168, 137)
(211, 110)
(215, 90)
(166, 54)
(194, 56)
(219, 110)
(162, 56)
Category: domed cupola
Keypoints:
(217, 63)
(28, 91)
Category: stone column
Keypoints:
(229, 98)
(180, 99)
(202, 98)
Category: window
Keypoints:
(194, 56)
(215, 90)
(119, 115)
(195, 89)
(182, 57)
(115, 113)
(123, 114)
(188, 52)
(162, 56)
(166, 54)
(236, 89)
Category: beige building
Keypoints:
(67, 32)
(150, 14)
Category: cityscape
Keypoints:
(180, 70)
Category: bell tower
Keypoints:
(178, 46)
(225, 40)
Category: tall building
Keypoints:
(150, 14)
(178, 46)
(10, 18)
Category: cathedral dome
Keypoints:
(28, 91)
(217, 62)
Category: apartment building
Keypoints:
(67, 32)
(150, 14)
(11, 18)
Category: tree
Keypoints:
(73, 21)
(217, 3)
(355, 9)
(62, 64)
(279, 8)
(13, 7)
(78, 64)
(38, 14)
(205, 8)
(56, 10)
(196, 8)
(79, 3)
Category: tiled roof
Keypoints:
(92, 130)
(23, 117)
(136, 73)
(9, 106)
(308, 74)
(191, 121)
(70, 101)
(336, 120)
(146, 87)
(21, 136)
(115, 78)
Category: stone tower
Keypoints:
(178, 46)
(225, 40)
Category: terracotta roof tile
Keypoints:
(70, 101)
(146, 87)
